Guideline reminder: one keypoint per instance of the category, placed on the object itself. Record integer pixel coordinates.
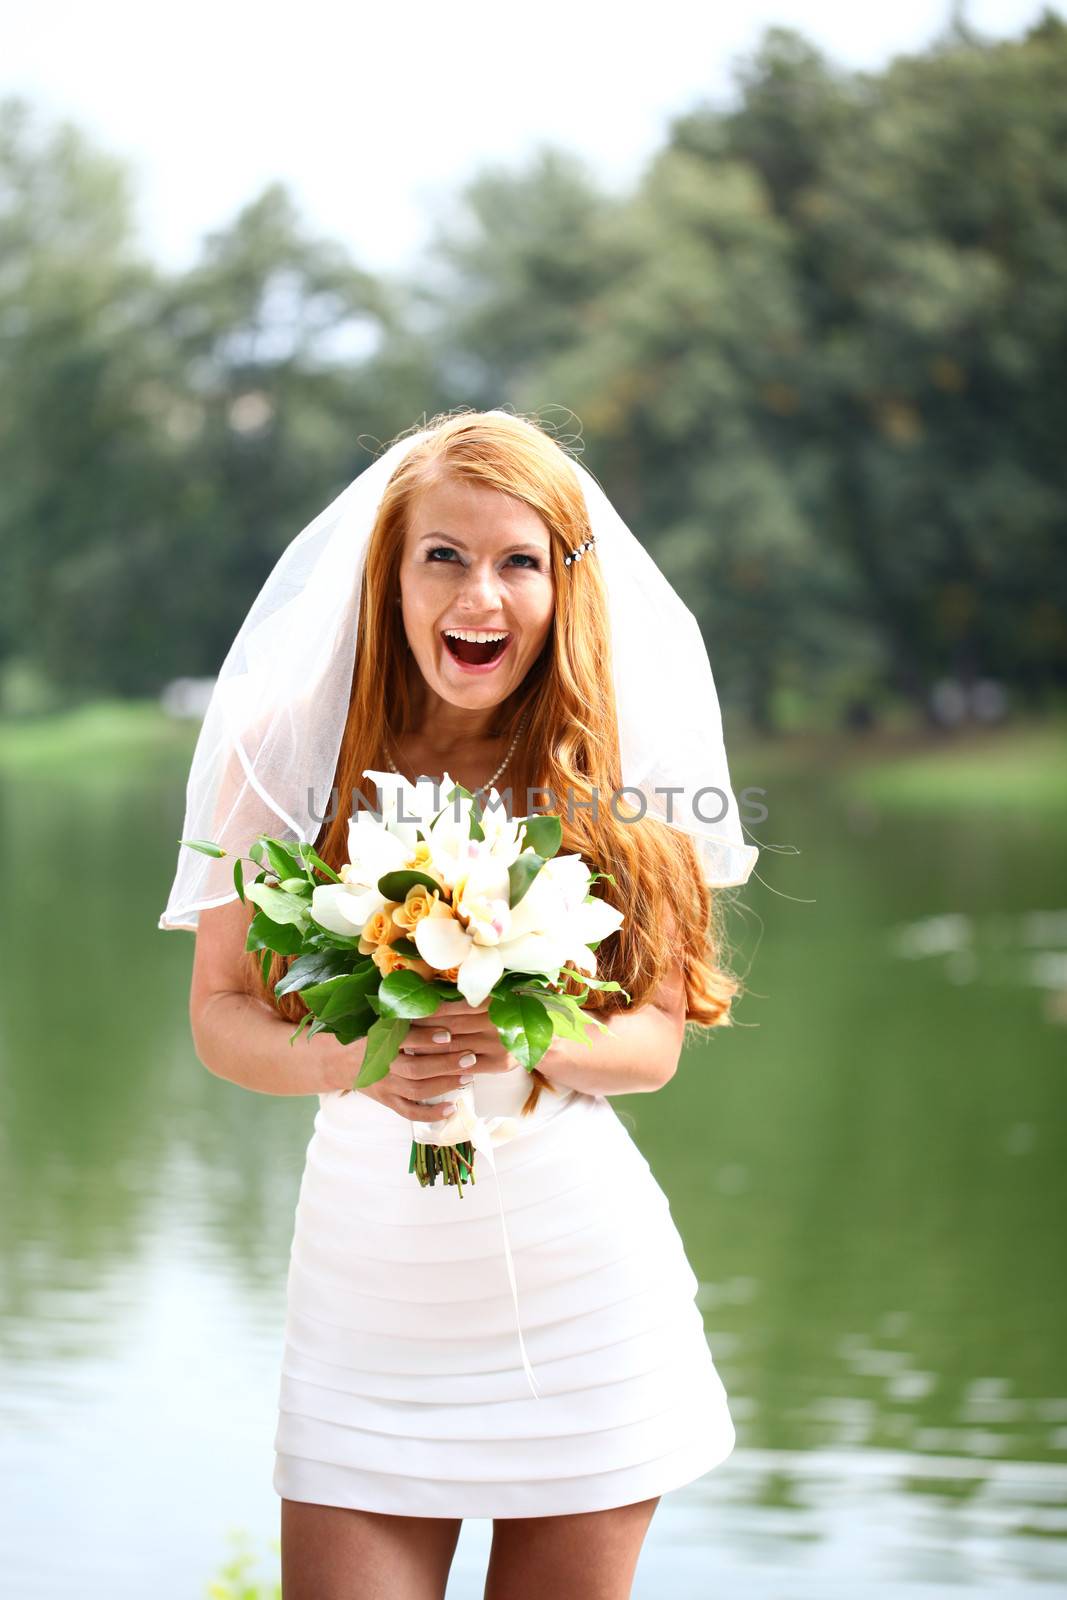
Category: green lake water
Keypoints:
(869, 1173)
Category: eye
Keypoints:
(519, 555)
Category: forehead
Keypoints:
(474, 515)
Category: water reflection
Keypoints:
(868, 1172)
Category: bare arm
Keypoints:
(242, 1038)
(638, 1053)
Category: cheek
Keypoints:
(540, 610)
(417, 602)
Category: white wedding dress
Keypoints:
(402, 1384)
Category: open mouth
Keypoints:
(471, 654)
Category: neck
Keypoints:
(441, 727)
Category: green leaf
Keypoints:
(282, 864)
(264, 965)
(257, 850)
(311, 858)
(445, 990)
(299, 886)
(265, 934)
(315, 967)
(604, 984)
(406, 947)
(404, 994)
(304, 1022)
(568, 1018)
(521, 874)
(543, 834)
(346, 1030)
(395, 885)
(316, 937)
(239, 879)
(384, 1039)
(279, 906)
(341, 996)
(206, 846)
(524, 1026)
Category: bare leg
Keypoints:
(334, 1553)
(590, 1555)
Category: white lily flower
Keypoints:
(452, 850)
(344, 910)
(405, 807)
(556, 913)
(374, 848)
(501, 834)
(551, 925)
(481, 897)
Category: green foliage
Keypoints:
(815, 354)
(524, 1025)
(521, 874)
(395, 885)
(238, 1579)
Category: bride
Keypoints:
(473, 605)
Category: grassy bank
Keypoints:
(93, 738)
(1023, 765)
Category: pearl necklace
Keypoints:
(488, 784)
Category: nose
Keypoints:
(481, 588)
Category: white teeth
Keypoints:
(471, 637)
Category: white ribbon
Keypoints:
(482, 1133)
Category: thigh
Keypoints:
(336, 1553)
(589, 1555)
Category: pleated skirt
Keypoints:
(402, 1387)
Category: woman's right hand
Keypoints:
(410, 1080)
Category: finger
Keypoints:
(426, 1088)
(452, 1024)
(482, 1043)
(416, 1113)
(418, 1068)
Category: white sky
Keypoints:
(374, 115)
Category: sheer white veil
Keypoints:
(267, 751)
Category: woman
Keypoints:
(404, 1405)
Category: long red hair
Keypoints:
(570, 745)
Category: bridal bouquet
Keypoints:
(434, 904)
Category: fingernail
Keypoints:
(468, 1060)
(467, 1077)
(442, 1036)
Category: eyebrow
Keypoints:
(448, 538)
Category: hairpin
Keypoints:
(576, 555)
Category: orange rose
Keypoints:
(418, 903)
(388, 960)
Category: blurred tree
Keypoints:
(271, 334)
(509, 273)
(77, 465)
(928, 213)
(816, 355)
